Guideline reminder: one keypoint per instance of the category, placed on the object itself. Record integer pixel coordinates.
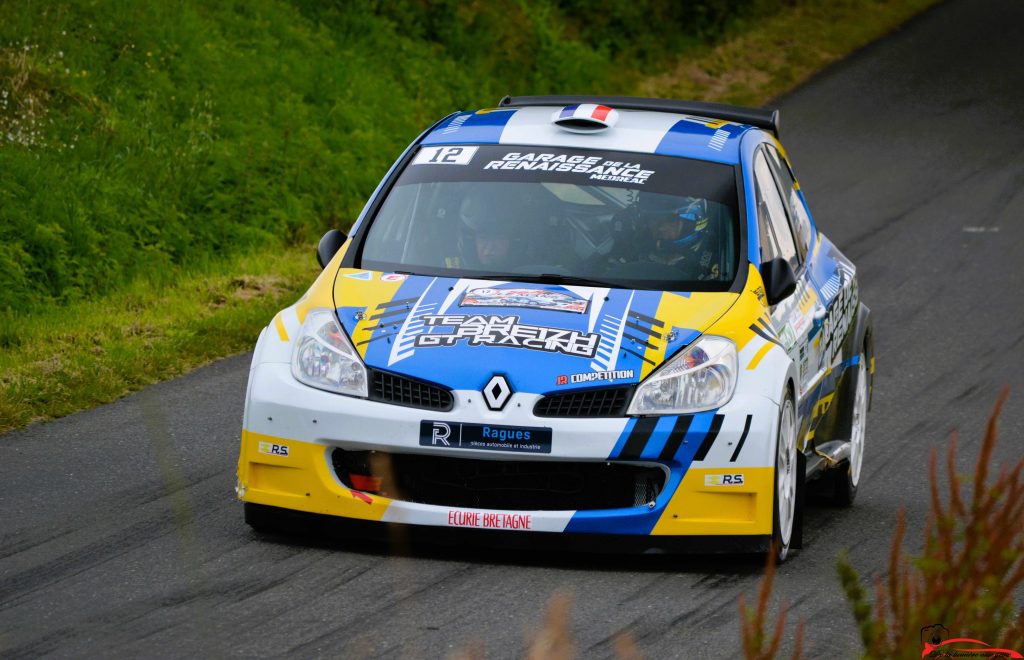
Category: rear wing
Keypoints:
(766, 119)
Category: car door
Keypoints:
(831, 296)
(792, 318)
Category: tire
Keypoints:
(784, 501)
(846, 476)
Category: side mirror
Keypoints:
(329, 246)
(779, 280)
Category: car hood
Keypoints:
(541, 337)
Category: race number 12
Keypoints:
(444, 156)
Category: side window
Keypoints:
(770, 203)
(797, 211)
(769, 248)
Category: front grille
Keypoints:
(607, 402)
(404, 391)
(501, 484)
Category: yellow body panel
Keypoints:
(750, 306)
(700, 508)
(301, 480)
(321, 292)
(699, 309)
(364, 293)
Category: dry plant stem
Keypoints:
(753, 623)
(625, 647)
(553, 641)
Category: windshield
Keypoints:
(513, 212)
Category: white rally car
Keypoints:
(570, 315)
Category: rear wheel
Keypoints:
(786, 474)
(846, 477)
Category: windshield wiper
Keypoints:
(551, 278)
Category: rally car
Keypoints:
(596, 317)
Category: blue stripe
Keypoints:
(694, 436)
(568, 111)
(476, 128)
(689, 139)
(659, 437)
(642, 520)
(638, 521)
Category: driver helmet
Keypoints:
(674, 222)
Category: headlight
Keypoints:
(702, 377)
(324, 356)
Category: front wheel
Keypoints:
(786, 475)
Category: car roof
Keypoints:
(642, 131)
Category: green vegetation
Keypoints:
(155, 154)
(69, 359)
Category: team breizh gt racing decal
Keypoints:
(493, 330)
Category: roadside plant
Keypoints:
(757, 643)
(972, 568)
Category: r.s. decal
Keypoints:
(273, 449)
(723, 479)
(492, 330)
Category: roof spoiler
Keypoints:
(766, 119)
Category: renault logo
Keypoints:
(497, 392)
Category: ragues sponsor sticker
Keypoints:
(455, 435)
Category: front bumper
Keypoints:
(404, 538)
(711, 488)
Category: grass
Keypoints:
(68, 359)
(155, 153)
(776, 53)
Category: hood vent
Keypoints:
(585, 118)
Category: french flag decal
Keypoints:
(585, 117)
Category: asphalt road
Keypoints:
(120, 534)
